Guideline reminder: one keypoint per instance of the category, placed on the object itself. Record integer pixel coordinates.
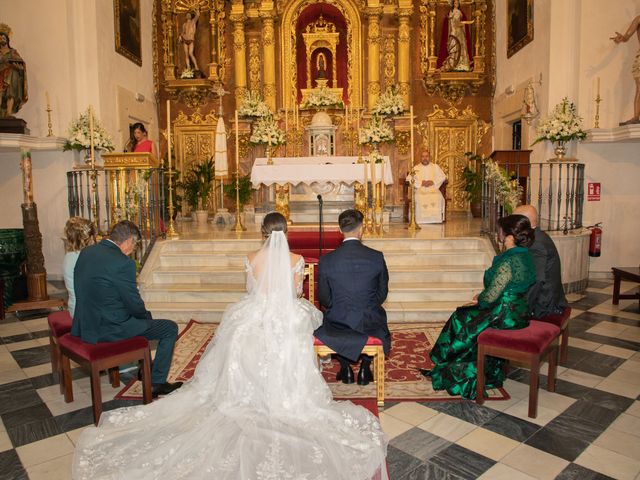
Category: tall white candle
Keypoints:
(237, 146)
(598, 87)
(411, 129)
(93, 158)
(169, 133)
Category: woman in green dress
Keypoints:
(502, 304)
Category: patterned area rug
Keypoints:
(411, 344)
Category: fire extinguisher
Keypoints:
(595, 240)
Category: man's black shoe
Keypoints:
(164, 388)
(345, 375)
(365, 375)
(426, 372)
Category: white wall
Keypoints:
(69, 49)
(571, 48)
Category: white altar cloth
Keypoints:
(308, 170)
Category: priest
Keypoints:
(429, 199)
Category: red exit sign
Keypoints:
(593, 192)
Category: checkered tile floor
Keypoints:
(588, 429)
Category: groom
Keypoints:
(352, 286)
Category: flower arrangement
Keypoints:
(508, 191)
(188, 73)
(563, 125)
(253, 106)
(375, 157)
(376, 131)
(266, 132)
(80, 138)
(322, 97)
(390, 103)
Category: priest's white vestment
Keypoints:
(429, 200)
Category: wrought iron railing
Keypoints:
(106, 197)
(556, 189)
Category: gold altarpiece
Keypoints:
(254, 45)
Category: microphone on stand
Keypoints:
(320, 243)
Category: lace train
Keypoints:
(257, 408)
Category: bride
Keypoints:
(256, 408)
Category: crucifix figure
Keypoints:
(635, 68)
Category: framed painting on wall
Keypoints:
(519, 25)
(127, 29)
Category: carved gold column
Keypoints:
(404, 45)
(213, 66)
(239, 52)
(373, 40)
(269, 58)
(169, 58)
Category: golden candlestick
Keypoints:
(269, 159)
(48, 110)
(596, 123)
(171, 230)
(238, 227)
(413, 226)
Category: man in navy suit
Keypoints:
(108, 304)
(353, 283)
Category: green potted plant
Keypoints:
(472, 184)
(244, 184)
(197, 186)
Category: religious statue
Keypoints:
(455, 47)
(635, 68)
(187, 38)
(529, 109)
(13, 76)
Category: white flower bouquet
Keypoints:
(322, 97)
(508, 191)
(390, 103)
(253, 106)
(375, 157)
(564, 124)
(266, 132)
(80, 138)
(376, 131)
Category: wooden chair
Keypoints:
(374, 348)
(526, 345)
(561, 320)
(104, 356)
(59, 325)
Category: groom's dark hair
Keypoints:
(349, 220)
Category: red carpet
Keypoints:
(411, 343)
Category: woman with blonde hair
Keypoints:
(78, 233)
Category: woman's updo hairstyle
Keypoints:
(273, 222)
(518, 226)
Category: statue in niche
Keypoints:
(455, 45)
(187, 38)
(13, 76)
(635, 68)
(321, 66)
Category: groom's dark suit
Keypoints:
(353, 283)
(109, 307)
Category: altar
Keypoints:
(339, 179)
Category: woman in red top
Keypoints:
(139, 141)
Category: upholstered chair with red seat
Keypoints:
(104, 356)
(526, 345)
(307, 244)
(561, 320)
(59, 325)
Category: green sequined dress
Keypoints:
(502, 304)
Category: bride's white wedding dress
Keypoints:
(257, 407)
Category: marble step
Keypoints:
(223, 293)
(435, 312)
(209, 246)
(395, 257)
(397, 274)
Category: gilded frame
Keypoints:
(127, 23)
(519, 25)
